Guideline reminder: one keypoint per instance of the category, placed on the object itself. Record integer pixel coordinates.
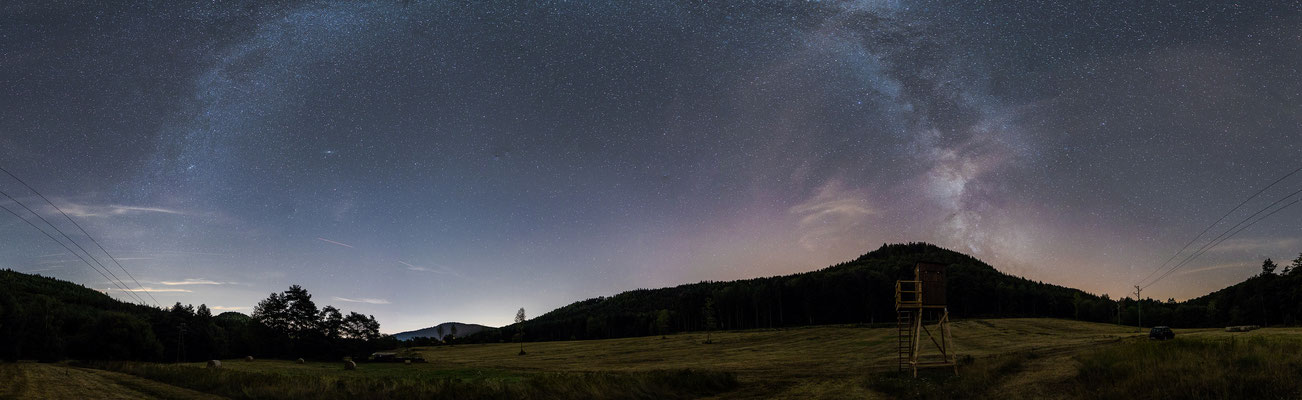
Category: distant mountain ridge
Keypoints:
(441, 330)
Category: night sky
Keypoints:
(428, 161)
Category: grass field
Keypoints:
(1010, 359)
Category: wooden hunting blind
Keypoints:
(933, 283)
(916, 302)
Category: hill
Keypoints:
(441, 330)
(858, 291)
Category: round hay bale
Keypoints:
(214, 363)
(350, 365)
(300, 361)
(408, 362)
(248, 358)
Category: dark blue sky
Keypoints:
(429, 161)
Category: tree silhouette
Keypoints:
(1268, 267)
(1295, 267)
(662, 322)
(332, 322)
(519, 323)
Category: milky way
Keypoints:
(436, 161)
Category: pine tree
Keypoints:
(519, 323)
(1295, 267)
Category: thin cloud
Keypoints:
(46, 269)
(439, 270)
(334, 242)
(154, 290)
(1216, 267)
(192, 282)
(361, 300)
(832, 215)
(108, 210)
(1257, 245)
(225, 308)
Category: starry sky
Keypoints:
(431, 161)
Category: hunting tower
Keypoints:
(918, 302)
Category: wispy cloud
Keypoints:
(1258, 245)
(334, 242)
(361, 300)
(46, 269)
(109, 210)
(225, 308)
(439, 269)
(1217, 267)
(159, 253)
(154, 290)
(833, 214)
(192, 282)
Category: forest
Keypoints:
(862, 291)
(49, 319)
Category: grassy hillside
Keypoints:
(858, 291)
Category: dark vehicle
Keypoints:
(1161, 333)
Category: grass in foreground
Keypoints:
(1195, 368)
(1199, 365)
(1010, 359)
(60, 381)
(664, 384)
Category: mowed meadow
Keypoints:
(1002, 358)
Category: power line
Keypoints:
(1209, 227)
(1223, 237)
(83, 231)
(83, 259)
(74, 243)
(1230, 232)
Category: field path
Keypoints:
(60, 381)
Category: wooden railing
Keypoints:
(908, 294)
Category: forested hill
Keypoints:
(44, 318)
(858, 291)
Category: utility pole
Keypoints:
(180, 343)
(1118, 312)
(1139, 302)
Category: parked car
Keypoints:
(1161, 333)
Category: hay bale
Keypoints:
(300, 361)
(350, 365)
(248, 358)
(408, 362)
(214, 363)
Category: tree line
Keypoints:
(1269, 298)
(49, 319)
